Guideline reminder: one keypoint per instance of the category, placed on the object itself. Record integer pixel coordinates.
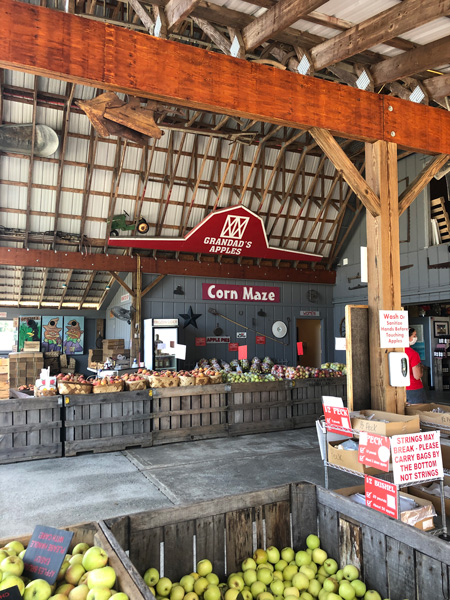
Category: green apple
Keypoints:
(231, 594)
(212, 578)
(236, 581)
(163, 587)
(63, 569)
(312, 541)
(11, 581)
(264, 575)
(250, 576)
(330, 566)
(4, 554)
(16, 546)
(360, 587)
(119, 596)
(84, 578)
(191, 596)
(76, 559)
(204, 567)
(58, 597)
(12, 565)
(248, 563)
(80, 548)
(265, 596)
(266, 565)
(291, 591)
(64, 588)
(350, 572)
(79, 593)
(289, 572)
(346, 590)
(74, 573)
(308, 571)
(94, 558)
(260, 556)
(306, 596)
(333, 596)
(331, 584)
(104, 577)
(300, 581)
(302, 558)
(199, 586)
(319, 556)
(372, 595)
(280, 565)
(39, 589)
(312, 566)
(195, 575)
(291, 597)
(323, 594)
(288, 554)
(278, 575)
(321, 571)
(177, 592)
(99, 593)
(246, 594)
(273, 554)
(212, 592)
(277, 587)
(151, 577)
(339, 575)
(314, 587)
(258, 588)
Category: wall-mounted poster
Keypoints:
(52, 334)
(29, 330)
(73, 335)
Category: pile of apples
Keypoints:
(72, 378)
(133, 376)
(84, 575)
(269, 575)
(26, 388)
(105, 380)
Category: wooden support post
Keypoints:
(383, 261)
(135, 329)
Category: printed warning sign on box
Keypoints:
(337, 419)
(416, 457)
(374, 450)
(381, 496)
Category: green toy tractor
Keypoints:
(120, 223)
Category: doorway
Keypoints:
(309, 332)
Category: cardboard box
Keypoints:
(421, 518)
(421, 492)
(397, 424)
(348, 459)
(445, 449)
(31, 346)
(426, 414)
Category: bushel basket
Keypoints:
(107, 388)
(159, 381)
(68, 388)
(141, 384)
(186, 380)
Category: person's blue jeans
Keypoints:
(416, 396)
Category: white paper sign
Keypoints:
(332, 401)
(340, 343)
(416, 457)
(180, 351)
(394, 329)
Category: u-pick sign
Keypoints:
(381, 496)
(374, 450)
(45, 552)
(234, 231)
(337, 419)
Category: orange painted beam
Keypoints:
(112, 262)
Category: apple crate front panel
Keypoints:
(30, 429)
(128, 580)
(190, 413)
(107, 422)
(307, 398)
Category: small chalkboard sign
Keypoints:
(12, 593)
(46, 552)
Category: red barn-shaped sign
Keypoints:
(235, 231)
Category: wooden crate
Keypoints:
(189, 413)
(307, 398)
(107, 422)
(396, 559)
(30, 429)
(128, 580)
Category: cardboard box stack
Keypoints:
(31, 346)
(24, 368)
(113, 348)
(431, 491)
(4, 385)
(51, 361)
(95, 358)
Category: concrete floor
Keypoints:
(65, 491)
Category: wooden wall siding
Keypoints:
(30, 430)
(396, 559)
(107, 422)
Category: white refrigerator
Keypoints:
(160, 342)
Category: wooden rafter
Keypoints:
(65, 288)
(178, 10)
(214, 35)
(119, 280)
(323, 209)
(105, 293)
(143, 15)
(92, 151)
(43, 286)
(151, 285)
(408, 196)
(437, 87)
(87, 289)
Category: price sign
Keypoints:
(12, 593)
(381, 496)
(337, 419)
(242, 352)
(374, 450)
(233, 347)
(260, 339)
(200, 341)
(46, 552)
(417, 457)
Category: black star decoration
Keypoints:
(190, 318)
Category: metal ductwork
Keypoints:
(18, 139)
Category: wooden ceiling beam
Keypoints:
(383, 26)
(66, 287)
(214, 35)
(177, 10)
(87, 289)
(125, 263)
(56, 44)
(423, 178)
(146, 20)
(403, 65)
(43, 285)
(437, 87)
(119, 280)
(283, 14)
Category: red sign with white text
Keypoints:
(234, 231)
(233, 347)
(260, 339)
(242, 352)
(381, 496)
(374, 450)
(200, 341)
(240, 293)
(337, 419)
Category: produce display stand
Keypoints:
(99, 535)
(30, 428)
(398, 560)
(322, 433)
(107, 422)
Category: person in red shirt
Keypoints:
(415, 392)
